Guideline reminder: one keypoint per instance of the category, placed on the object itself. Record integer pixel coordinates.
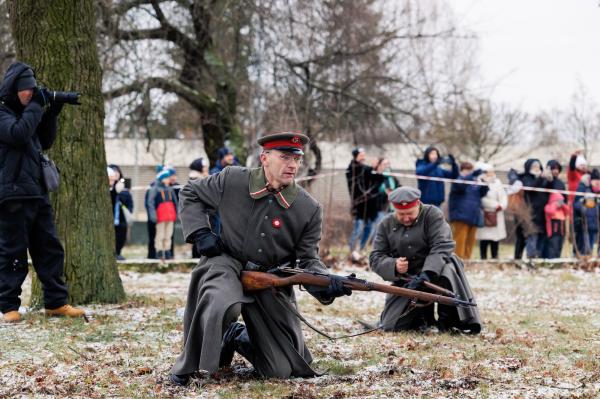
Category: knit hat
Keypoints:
(554, 164)
(158, 168)
(357, 151)
(595, 175)
(164, 174)
(580, 161)
(26, 80)
(197, 164)
(171, 169)
(484, 167)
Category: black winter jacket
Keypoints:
(363, 186)
(24, 133)
(536, 200)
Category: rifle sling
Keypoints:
(287, 305)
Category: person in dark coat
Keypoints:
(363, 186)
(268, 220)
(533, 177)
(464, 206)
(553, 171)
(432, 166)
(150, 225)
(199, 170)
(416, 239)
(225, 158)
(390, 183)
(586, 213)
(28, 126)
(552, 174)
(122, 202)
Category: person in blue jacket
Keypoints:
(586, 211)
(432, 192)
(464, 206)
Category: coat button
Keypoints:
(259, 250)
(266, 217)
(270, 201)
(262, 234)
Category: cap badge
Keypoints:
(276, 223)
(295, 139)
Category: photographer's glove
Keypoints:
(55, 108)
(208, 243)
(417, 281)
(41, 97)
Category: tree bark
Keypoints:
(58, 39)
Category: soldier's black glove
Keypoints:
(417, 281)
(41, 97)
(208, 243)
(335, 289)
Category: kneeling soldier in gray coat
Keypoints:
(416, 239)
(266, 220)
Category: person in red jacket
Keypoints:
(577, 168)
(556, 213)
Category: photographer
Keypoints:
(28, 122)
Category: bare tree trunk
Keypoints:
(58, 39)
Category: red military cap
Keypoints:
(291, 141)
(405, 197)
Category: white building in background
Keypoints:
(138, 161)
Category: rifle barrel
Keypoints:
(255, 281)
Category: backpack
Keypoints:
(166, 212)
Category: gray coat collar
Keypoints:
(258, 189)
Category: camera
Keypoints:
(65, 97)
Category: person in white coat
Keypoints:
(493, 205)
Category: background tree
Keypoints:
(7, 53)
(582, 120)
(477, 128)
(58, 38)
(197, 50)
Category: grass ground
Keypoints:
(541, 339)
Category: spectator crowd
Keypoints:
(540, 216)
(479, 207)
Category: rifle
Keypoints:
(256, 281)
(440, 290)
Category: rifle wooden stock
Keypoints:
(256, 281)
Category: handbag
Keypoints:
(50, 172)
(490, 218)
(129, 218)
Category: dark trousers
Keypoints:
(151, 227)
(585, 240)
(120, 237)
(554, 246)
(519, 242)
(29, 224)
(483, 245)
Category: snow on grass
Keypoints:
(541, 340)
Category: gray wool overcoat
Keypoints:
(265, 228)
(428, 246)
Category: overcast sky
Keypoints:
(536, 50)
